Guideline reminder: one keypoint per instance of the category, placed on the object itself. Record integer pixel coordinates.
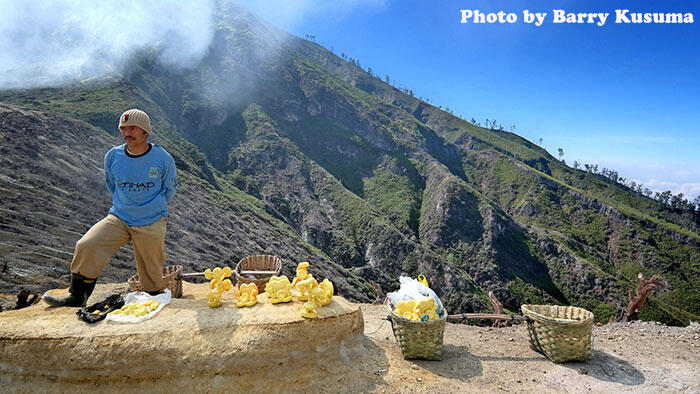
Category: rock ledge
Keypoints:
(186, 346)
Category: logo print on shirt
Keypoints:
(135, 187)
(153, 172)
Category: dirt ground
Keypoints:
(635, 357)
(638, 357)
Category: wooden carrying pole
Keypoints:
(201, 274)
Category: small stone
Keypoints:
(518, 381)
(583, 371)
(502, 388)
(510, 339)
(414, 366)
(419, 379)
(534, 379)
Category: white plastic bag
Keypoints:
(412, 289)
(140, 297)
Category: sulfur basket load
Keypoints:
(171, 276)
(417, 319)
(419, 339)
(561, 333)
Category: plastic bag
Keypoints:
(412, 289)
(141, 297)
(100, 310)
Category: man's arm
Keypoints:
(109, 178)
(169, 179)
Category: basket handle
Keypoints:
(391, 321)
(533, 333)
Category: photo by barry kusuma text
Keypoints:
(621, 16)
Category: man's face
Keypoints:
(133, 135)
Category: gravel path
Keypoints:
(627, 357)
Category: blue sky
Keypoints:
(623, 96)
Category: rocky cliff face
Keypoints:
(286, 148)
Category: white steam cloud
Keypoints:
(48, 43)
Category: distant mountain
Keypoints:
(283, 147)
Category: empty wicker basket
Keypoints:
(171, 275)
(418, 339)
(264, 267)
(561, 333)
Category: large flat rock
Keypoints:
(187, 345)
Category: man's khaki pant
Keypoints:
(95, 249)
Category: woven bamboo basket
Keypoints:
(561, 333)
(418, 339)
(171, 275)
(264, 262)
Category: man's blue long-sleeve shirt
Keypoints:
(141, 185)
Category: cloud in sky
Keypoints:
(48, 43)
(51, 42)
(689, 189)
(661, 177)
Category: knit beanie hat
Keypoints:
(136, 117)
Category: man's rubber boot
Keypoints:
(80, 290)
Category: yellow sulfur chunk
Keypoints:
(137, 309)
(309, 288)
(302, 274)
(279, 289)
(406, 309)
(247, 295)
(305, 286)
(217, 285)
(425, 307)
(326, 295)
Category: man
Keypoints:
(141, 177)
